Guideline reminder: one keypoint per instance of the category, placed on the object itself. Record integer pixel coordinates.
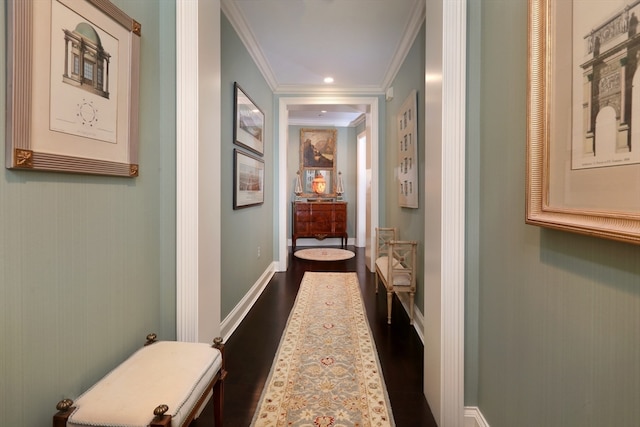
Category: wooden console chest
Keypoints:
(319, 220)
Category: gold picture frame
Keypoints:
(318, 157)
(597, 196)
(72, 87)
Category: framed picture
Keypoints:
(248, 128)
(318, 161)
(248, 180)
(407, 149)
(583, 139)
(72, 87)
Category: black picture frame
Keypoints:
(248, 180)
(248, 122)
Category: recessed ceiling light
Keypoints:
(328, 79)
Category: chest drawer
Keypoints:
(319, 220)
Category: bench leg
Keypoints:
(377, 280)
(218, 400)
(60, 419)
(161, 421)
(411, 298)
(389, 305)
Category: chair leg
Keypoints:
(411, 298)
(389, 305)
(218, 400)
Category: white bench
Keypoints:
(165, 383)
(395, 267)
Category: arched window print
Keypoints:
(86, 63)
(609, 61)
(606, 132)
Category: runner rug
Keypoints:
(326, 371)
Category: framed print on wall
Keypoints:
(248, 126)
(583, 139)
(318, 159)
(72, 87)
(248, 180)
(407, 143)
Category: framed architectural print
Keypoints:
(318, 152)
(248, 127)
(407, 143)
(248, 180)
(583, 140)
(72, 87)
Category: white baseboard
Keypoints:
(473, 417)
(231, 322)
(418, 318)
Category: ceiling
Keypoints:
(297, 43)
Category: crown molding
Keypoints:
(326, 122)
(248, 38)
(413, 27)
(328, 90)
(361, 119)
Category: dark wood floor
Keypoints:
(250, 351)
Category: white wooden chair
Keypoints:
(395, 267)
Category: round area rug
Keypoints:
(324, 254)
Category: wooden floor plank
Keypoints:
(251, 349)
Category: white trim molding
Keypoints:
(197, 200)
(186, 171)
(444, 240)
(474, 418)
(239, 312)
(454, 74)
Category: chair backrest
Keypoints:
(403, 254)
(384, 235)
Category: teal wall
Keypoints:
(87, 263)
(409, 221)
(558, 313)
(346, 163)
(244, 230)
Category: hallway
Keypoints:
(252, 347)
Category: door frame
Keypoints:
(372, 126)
(361, 188)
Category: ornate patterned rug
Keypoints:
(324, 254)
(326, 371)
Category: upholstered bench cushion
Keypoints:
(399, 279)
(167, 372)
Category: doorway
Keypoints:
(372, 129)
(363, 180)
